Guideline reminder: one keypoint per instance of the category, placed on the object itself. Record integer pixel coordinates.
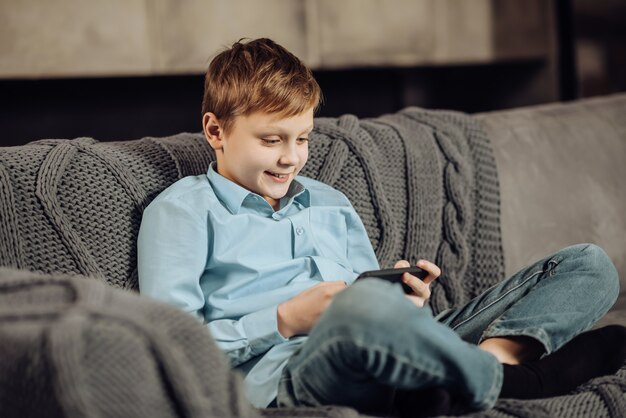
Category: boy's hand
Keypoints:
(421, 288)
(299, 314)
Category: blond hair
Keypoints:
(259, 75)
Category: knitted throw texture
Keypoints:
(424, 183)
(73, 347)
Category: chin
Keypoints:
(276, 197)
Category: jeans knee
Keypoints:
(597, 261)
(367, 306)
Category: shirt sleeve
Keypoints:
(251, 335)
(172, 251)
(171, 255)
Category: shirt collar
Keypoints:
(297, 192)
(233, 195)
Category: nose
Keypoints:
(289, 155)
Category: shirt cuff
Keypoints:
(261, 327)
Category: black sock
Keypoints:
(431, 402)
(591, 354)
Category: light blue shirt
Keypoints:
(221, 252)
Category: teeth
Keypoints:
(280, 176)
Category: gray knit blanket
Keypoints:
(424, 183)
(72, 347)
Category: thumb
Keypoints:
(401, 264)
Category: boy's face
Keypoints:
(262, 152)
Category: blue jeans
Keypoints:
(372, 339)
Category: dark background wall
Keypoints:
(591, 58)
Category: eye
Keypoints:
(303, 139)
(270, 141)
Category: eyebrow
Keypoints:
(281, 131)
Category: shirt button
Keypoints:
(299, 231)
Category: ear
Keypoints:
(213, 130)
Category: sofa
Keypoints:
(507, 187)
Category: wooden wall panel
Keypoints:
(73, 38)
(374, 32)
(41, 38)
(188, 33)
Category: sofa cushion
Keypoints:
(562, 169)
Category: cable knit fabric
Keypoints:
(74, 347)
(424, 183)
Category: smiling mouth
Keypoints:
(278, 175)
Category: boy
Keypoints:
(259, 253)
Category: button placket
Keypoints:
(302, 235)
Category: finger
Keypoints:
(433, 270)
(420, 288)
(430, 267)
(402, 264)
(419, 302)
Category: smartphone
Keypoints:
(395, 275)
